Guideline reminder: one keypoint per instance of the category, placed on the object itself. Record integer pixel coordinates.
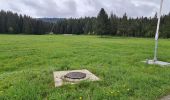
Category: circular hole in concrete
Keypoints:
(75, 75)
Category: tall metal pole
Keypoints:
(157, 32)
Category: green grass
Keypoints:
(27, 63)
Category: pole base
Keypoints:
(161, 63)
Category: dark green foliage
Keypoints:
(13, 23)
(103, 24)
(114, 24)
(3, 21)
(165, 28)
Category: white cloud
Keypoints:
(81, 8)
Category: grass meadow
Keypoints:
(27, 63)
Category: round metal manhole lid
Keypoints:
(75, 75)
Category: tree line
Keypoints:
(12, 23)
(103, 24)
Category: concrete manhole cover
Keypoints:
(75, 75)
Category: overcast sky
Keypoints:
(81, 8)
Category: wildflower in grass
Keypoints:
(113, 93)
(128, 89)
(80, 98)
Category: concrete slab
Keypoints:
(60, 80)
(67, 34)
(161, 63)
(166, 98)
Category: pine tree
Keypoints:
(2, 21)
(113, 21)
(102, 23)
